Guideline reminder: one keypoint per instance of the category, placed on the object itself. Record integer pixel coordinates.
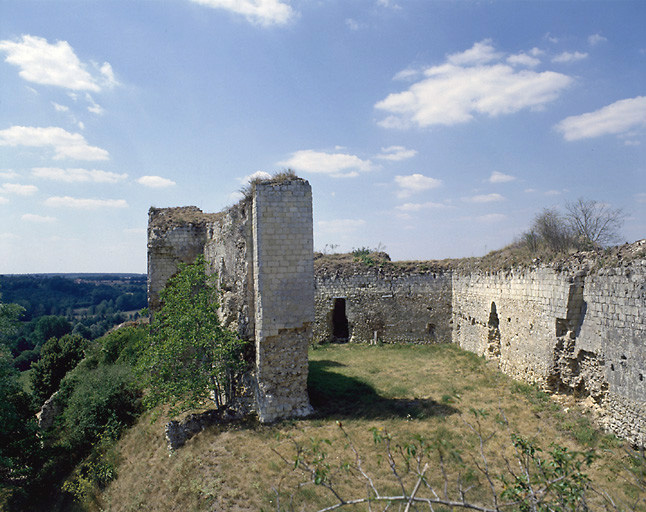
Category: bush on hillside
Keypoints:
(99, 400)
(58, 356)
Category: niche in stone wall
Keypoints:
(340, 328)
(493, 335)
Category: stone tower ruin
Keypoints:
(262, 252)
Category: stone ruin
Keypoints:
(577, 329)
(262, 251)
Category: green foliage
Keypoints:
(9, 316)
(58, 356)
(189, 356)
(100, 400)
(18, 428)
(48, 327)
(371, 257)
(554, 483)
(123, 345)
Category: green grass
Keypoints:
(427, 391)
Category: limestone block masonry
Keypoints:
(262, 251)
(283, 277)
(382, 305)
(573, 331)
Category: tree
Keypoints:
(58, 356)
(189, 356)
(553, 230)
(18, 428)
(594, 224)
(9, 316)
(50, 326)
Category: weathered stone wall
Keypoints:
(262, 252)
(572, 331)
(387, 305)
(175, 235)
(283, 274)
(228, 251)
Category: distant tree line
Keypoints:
(54, 306)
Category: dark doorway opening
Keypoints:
(340, 330)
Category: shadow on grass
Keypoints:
(332, 394)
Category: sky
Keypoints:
(430, 129)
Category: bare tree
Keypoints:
(531, 479)
(595, 224)
(553, 229)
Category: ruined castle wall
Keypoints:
(283, 274)
(262, 252)
(511, 316)
(615, 327)
(229, 252)
(391, 306)
(175, 235)
(576, 332)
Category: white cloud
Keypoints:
(17, 189)
(535, 52)
(155, 182)
(396, 153)
(388, 3)
(618, 117)
(77, 175)
(54, 64)
(450, 93)
(340, 226)
(258, 175)
(60, 108)
(41, 219)
(632, 143)
(8, 174)
(85, 204)
(262, 12)
(569, 57)
(416, 207)
(491, 218)
(484, 198)
(354, 24)
(479, 53)
(408, 74)
(415, 183)
(337, 165)
(64, 143)
(551, 38)
(8, 236)
(640, 197)
(595, 39)
(499, 177)
(3, 200)
(522, 59)
(94, 107)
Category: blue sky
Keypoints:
(433, 128)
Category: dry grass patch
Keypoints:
(428, 391)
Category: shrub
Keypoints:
(58, 356)
(103, 399)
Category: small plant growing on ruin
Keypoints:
(189, 357)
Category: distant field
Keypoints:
(438, 392)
